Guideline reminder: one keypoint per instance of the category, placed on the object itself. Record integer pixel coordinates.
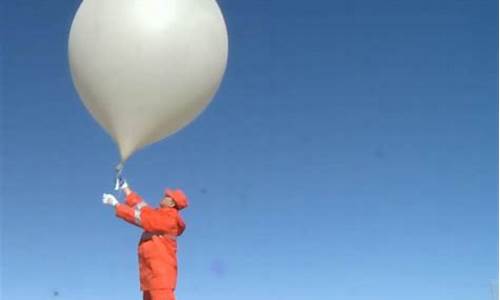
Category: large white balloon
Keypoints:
(146, 68)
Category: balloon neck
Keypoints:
(119, 168)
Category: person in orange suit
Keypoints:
(158, 243)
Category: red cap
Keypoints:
(179, 197)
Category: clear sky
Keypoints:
(351, 153)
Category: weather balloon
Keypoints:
(146, 68)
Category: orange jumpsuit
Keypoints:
(157, 246)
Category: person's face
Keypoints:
(167, 202)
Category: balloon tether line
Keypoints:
(119, 169)
(118, 173)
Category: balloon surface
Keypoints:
(146, 68)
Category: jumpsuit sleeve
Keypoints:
(133, 199)
(160, 222)
(131, 210)
(126, 213)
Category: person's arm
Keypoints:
(131, 210)
(127, 190)
(127, 213)
(123, 211)
(131, 198)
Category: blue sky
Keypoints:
(351, 153)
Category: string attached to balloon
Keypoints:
(119, 169)
(118, 175)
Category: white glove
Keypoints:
(120, 183)
(109, 200)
